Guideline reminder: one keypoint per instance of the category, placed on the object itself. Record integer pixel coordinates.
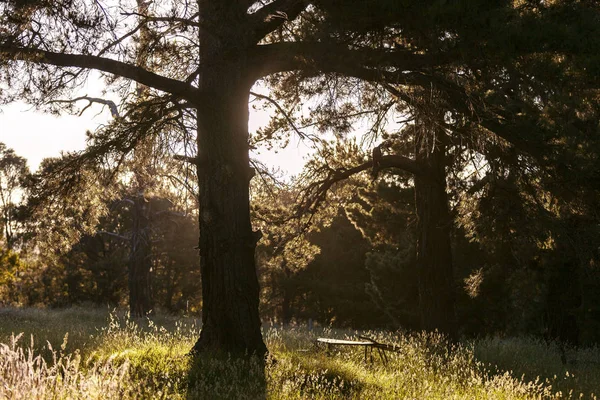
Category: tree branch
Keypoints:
(271, 16)
(480, 184)
(183, 183)
(183, 21)
(317, 191)
(187, 159)
(119, 68)
(115, 235)
(114, 111)
(484, 115)
(282, 111)
(334, 57)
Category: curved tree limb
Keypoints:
(114, 111)
(115, 67)
(335, 57)
(282, 111)
(271, 16)
(316, 193)
(115, 235)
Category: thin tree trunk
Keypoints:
(140, 262)
(140, 266)
(434, 253)
(286, 303)
(7, 232)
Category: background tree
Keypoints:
(283, 250)
(149, 218)
(82, 248)
(11, 267)
(467, 115)
(13, 170)
(385, 215)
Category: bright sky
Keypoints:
(35, 135)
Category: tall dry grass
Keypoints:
(109, 356)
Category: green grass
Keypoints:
(93, 354)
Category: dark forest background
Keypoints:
(523, 265)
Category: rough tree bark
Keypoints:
(230, 289)
(434, 253)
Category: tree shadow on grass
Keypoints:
(214, 376)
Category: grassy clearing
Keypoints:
(92, 354)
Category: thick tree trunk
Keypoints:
(230, 290)
(140, 262)
(434, 254)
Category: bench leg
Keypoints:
(382, 356)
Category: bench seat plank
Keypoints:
(344, 342)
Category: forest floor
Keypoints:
(80, 353)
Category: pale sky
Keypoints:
(35, 135)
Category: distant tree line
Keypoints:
(80, 249)
(521, 267)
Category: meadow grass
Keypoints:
(100, 354)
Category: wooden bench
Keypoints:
(368, 343)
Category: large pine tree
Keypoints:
(205, 56)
